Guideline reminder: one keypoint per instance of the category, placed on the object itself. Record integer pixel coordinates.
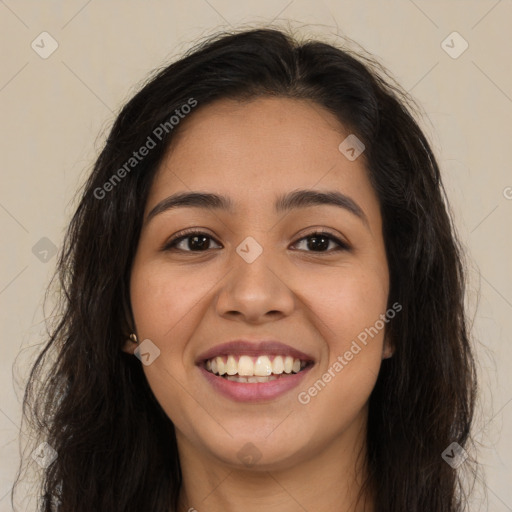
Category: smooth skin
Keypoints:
(306, 294)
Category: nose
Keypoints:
(255, 292)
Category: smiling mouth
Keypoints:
(250, 369)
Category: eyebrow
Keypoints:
(284, 203)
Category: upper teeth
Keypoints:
(260, 366)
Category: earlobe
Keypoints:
(130, 344)
(387, 349)
(387, 354)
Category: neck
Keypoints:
(331, 481)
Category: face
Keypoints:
(292, 280)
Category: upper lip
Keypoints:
(253, 348)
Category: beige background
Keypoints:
(55, 113)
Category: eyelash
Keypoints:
(183, 235)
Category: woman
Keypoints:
(263, 299)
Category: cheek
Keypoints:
(166, 303)
(164, 298)
(345, 301)
(165, 306)
(349, 307)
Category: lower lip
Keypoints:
(254, 391)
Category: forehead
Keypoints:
(255, 150)
(280, 129)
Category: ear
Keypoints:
(127, 325)
(387, 349)
(129, 345)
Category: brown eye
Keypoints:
(191, 241)
(320, 242)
